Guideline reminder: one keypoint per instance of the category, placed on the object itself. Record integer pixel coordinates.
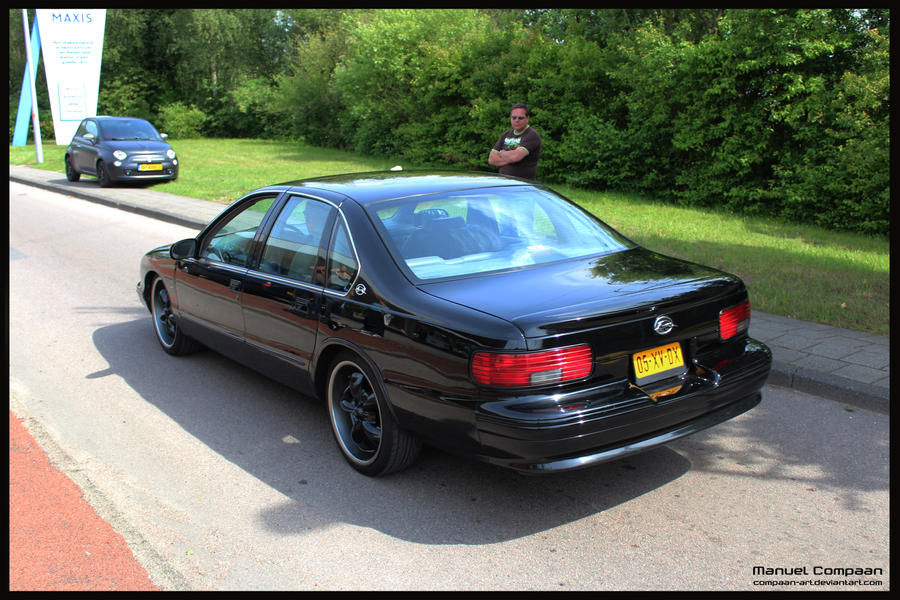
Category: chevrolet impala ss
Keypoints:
(487, 316)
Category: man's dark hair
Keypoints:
(521, 105)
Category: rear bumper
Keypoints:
(633, 445)
(609, 422)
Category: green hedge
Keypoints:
(770, 112)
(777, 112)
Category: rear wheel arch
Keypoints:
(322, 366)
(72, 173)
(362, 418)
(323, 363)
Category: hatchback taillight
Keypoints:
(526, 369)
(734, 320)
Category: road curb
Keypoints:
(153, 213)
(832, 387)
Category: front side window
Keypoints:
(231, 241)
(478, 231)
(292, 249)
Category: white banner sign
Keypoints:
(72, 46)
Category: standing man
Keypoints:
(518, 149)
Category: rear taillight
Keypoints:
(526, 369)
(734, 320)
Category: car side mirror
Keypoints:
(183, 249)
(90, 137)
(164, 136)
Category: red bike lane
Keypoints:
(56, 540)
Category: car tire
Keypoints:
(361, 420)
(102, 175)
(71, 174)
(170, 336)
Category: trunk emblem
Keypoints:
(663, 324)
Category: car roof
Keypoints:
(384, 185)
(109, 118)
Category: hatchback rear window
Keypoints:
(479, 231)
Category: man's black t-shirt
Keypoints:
(528, 139)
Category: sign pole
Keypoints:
(32, 73)
(23, 115)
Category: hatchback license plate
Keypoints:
(150, 167)
(658, 360)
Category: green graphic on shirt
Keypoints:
(511, 143)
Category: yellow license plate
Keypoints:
(658, 360)
(150, 167)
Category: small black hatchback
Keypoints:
(119, 149)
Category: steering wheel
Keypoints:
(219, 254)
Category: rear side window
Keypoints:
(292, 249)
(479, 231)
(342, 263)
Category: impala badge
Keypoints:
(663, 324)
(360, 290)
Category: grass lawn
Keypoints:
(797, 271)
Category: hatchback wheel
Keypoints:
(171, 338)
(102, 175)
(362, 422)
(71, 173)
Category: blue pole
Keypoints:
(20, 136)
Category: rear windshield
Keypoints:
(468, 232)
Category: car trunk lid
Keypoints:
(613, 303)
(575, 295)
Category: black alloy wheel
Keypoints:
(170, 336)
(71, 174)
(362, 422)
(102, 175)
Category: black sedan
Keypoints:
(118, 149)
(484, 315)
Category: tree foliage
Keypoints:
(781, 112)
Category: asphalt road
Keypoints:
(222, 480)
